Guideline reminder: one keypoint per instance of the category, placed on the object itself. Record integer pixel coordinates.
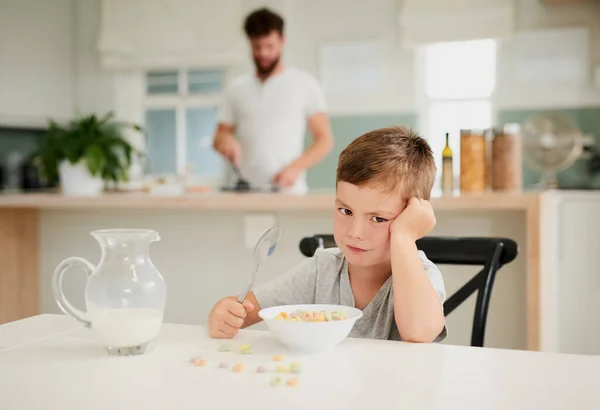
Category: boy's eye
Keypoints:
(345, 211)
(379, 219)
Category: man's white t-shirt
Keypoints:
(270, 118)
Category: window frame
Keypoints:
(424, 103)
(180, 102)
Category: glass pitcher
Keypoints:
(125, 294)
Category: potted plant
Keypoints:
(86, 153)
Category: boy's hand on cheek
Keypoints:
(416, 221)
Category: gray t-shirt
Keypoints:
(323, 279)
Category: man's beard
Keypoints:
(266, 71)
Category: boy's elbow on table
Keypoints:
(424, 334)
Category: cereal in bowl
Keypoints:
(308, 316)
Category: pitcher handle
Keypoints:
(59, 295)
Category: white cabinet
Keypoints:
(36, 73)
(140, 34)
(571, 277)
(431, 21)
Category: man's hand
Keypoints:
(321, 145)
(227, 145)
(287, 176)
(416, 221)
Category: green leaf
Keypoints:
(95, 159)
(100, 141)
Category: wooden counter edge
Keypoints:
(534, 214)
(248, 202)
(19, 264)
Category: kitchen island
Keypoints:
(204, 254)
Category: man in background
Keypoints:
(265, 114)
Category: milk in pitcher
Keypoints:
(126, 327)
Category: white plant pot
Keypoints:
(76, 180)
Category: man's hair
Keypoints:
(262, 22)
(394, 159)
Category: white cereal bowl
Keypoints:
(310, 336)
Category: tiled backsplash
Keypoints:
(16, 147)
(22, 141)
(577, 175)
(346, 128)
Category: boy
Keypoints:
(383, 184)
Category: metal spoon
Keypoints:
(262, 250)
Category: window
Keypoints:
(458, 81)
(180, 110)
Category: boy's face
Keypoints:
(361, 223)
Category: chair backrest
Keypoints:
(490, 253)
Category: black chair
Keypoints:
(491, 253)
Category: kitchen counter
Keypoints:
(204, 255)
(247, 201)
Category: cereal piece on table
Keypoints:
(296, 367)
(194, 358)
(293, 381)
(223, 365)
(261, 369)
(224, 348)
(276, 381)
(246, 349)
(199, 362)
(282, 369)
(278, 357)
(238, 368)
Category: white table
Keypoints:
(50, 362)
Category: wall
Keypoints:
(313, 23)
(345, 129)
(344, 21)
(533, 15)
(48, 61)
(54, 63)
(36, 70)
(95, 88)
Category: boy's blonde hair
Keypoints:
(394, 159)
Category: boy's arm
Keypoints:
(252, 317)
(418, 306)
(418, 309)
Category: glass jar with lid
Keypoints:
(472, 160)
